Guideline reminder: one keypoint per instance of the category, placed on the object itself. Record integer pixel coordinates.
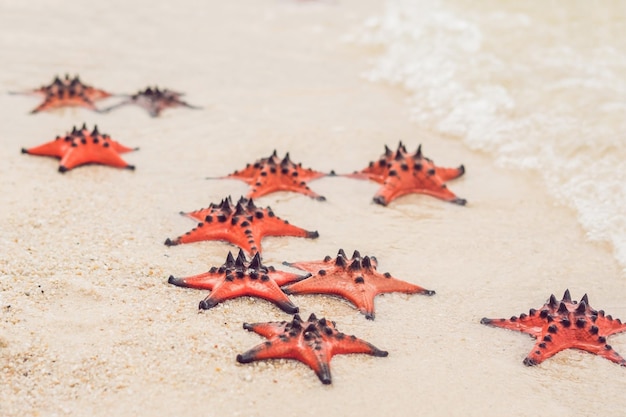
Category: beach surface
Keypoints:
(89, 324)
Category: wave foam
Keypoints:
(539, 86)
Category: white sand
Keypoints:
(89, 325)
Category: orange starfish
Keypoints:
(67, 92)
(402, 173)
(313, 342)
(154, 101)
(243, 225)
(378, 171)
(355, 279)
(80, 147)
(238, 278)
(565, 325)
(268, 175)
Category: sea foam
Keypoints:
(540, 85)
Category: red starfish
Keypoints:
(80, 147)
(238, 278)
(268, 175)
(378, 171)
(154, 101)
(565, 325)
(355, 279)
(313, 342)
(402, 173)
(67, 92)
(243, 224)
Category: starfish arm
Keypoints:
(306, 174)
(532, 324)
(542, 350)
(311, 267)
(391, 189)
(362, 298)
(344, 344)
(274, 226)
(269, 180)
(199, 215)
(376, 170)
(56, 148)
(447, 174)
(189, 106)
(301, 187)
(119, 148)
(268, 330)
(444, 194)
(95, 94)
(266, 289)
(204, 281)
(254, 242)
(319, 361)
(90, 153)
(249, 179)
(317, 284)
(384, 283)
(357, 175)
(600, 348)
(293, 348)
(373, 174)
(49, 103)
(262, 185)
(271, 349)
(609, 326)
(249, 173)
(38, 92)
(205, 231)
(282, 278)
(53, 102)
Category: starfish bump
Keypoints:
(401, 173)
(80, 147)
(154, 101)
(355, 279)
(242, 224)
(67, 92)
(272, 174)
(565, 324)
(313, 342)
(240, 277)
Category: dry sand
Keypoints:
(89, 325)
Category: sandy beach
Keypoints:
(89, 325)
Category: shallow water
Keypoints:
(540, 85)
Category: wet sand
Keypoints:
(88, 323)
